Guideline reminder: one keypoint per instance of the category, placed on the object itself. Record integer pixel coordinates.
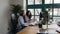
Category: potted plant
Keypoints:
(40, 20)
(14, 17)
(44, 25)
(45, 20)
(16, 9)
(39, 24)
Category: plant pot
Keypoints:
(44, 26)
(40, 25)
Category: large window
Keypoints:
(56, 12)
(56, 1)
(36, 11)
(52, 6)
(38, 1)
(49, 12)
(32, 11)
(51, 1)
(30, 2)
(48, 1)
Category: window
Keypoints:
(49, 12)
(48, 1)
(32, 17)
(37, 18)
(37, 11)
(32, 11)
(30, 2)
(38, 1)
(56, 1)
(56, 12)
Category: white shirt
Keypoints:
(21, 21)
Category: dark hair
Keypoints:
(27, 13)
(22, 12)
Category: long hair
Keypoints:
(29, 16)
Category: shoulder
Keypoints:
(20, 17)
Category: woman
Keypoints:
(28, 14)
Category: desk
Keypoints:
(30, 30)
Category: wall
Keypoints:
(4, 16)
(5, 13)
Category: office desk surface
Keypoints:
(32, 30)
(29, 30)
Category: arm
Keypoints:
(21, 21)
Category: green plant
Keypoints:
(45, 18)
(16, 8)
(43, 22)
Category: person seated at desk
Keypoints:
(28, 14)
(22, 21)
(31, 21)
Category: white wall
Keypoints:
(5, 13)
(4, 16)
